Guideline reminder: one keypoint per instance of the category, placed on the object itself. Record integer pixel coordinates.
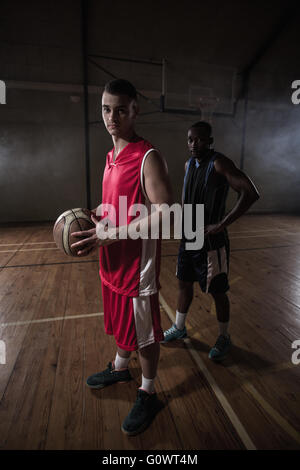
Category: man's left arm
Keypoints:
(240, 183)
(156, 179)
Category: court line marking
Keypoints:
(259, 230)
(238, 426)
(283, 231)
(280, 232)
(163, 256)
(49, 264)
(29, 249)
(265, 247)
(264, 236)
(282, 422)
(23, 244)
(274, 414)
(165, 241)
(43, 320)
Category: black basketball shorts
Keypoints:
(209, 268)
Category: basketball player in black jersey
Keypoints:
(208, 176)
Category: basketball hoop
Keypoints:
(207, 106)
(204, 100)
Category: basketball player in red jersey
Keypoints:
(129, 269)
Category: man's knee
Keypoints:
(219, 285)
(150, 347)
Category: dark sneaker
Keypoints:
(174, 333)
(221, 348)
(107, 377)
(142, 413)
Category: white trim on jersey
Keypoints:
(147, 285)
(142, 171)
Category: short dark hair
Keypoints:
(203, 125)
(120, 86)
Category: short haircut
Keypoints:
(203, 125)
(121, 87)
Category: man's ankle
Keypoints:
(120, 363)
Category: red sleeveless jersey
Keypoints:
(129, 267)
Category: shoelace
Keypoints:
(108, 370)
(171, 330)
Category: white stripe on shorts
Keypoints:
(143, 321)
(213, 267)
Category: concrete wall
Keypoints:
(42, 153)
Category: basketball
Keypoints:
(73, 220)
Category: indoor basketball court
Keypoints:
(53, 146)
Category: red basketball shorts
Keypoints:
(133, 321)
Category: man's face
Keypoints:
(198, 141)
(119, 113)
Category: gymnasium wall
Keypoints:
(273, 138)
(42, 150)
(41, 137)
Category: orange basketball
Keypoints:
(73, 220)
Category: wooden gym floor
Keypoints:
(52, 328)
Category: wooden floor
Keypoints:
(52, 327)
